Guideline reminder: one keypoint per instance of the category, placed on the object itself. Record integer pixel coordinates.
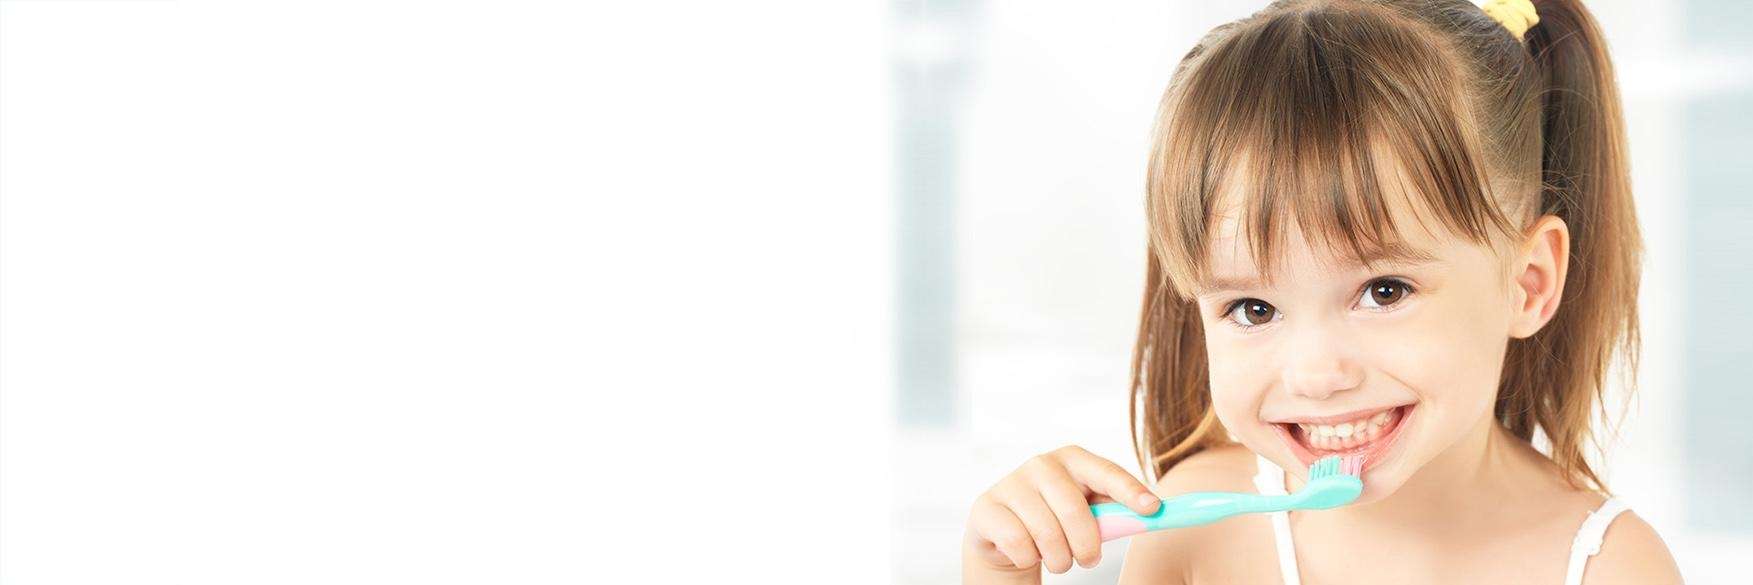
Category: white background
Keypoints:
(442, 292)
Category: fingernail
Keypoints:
(1147, 501)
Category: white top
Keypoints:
(1270, 481)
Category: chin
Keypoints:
(1380, 483)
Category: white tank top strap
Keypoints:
(1270, 481)
(1589, 537)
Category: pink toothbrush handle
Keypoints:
(1112, 527)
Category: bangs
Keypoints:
(1331, 118)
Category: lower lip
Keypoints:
(1373, 453)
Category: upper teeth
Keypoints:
(1343, 434)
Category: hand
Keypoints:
(1040, 513)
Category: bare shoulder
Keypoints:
(1631, 552)
(1168, 556)
(1226, 468)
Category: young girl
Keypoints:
(1398, 229)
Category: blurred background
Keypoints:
(1021, 134)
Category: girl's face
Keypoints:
(1397, 364)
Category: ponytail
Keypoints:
(1555, 379)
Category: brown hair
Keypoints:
(1331, 109)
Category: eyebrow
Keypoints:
(1397, 255)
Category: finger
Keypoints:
(1066, 499)
(1108, 479)
(1044, 527)
(1007, 540)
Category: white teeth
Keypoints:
(1347, 434)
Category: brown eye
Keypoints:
(1385, 292)
(1251, 312)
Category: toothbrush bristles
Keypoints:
(1334, 464)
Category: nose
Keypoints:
(1320, 365)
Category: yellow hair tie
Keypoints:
(1516, 15)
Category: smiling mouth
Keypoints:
(1367, 434)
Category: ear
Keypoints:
(1538, 274)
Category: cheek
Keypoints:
(1237, 389)
(1450, 355)
(1237, 365)
(1231, 405)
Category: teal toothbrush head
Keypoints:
(1333, 482)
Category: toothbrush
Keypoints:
(1333, 482)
